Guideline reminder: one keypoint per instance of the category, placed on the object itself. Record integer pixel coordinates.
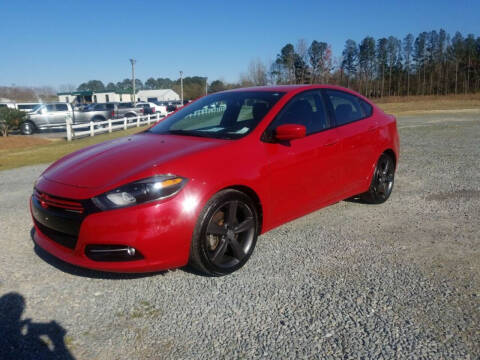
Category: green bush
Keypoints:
(10, 119)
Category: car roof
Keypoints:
(288, 88)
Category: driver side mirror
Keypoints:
(290, 132)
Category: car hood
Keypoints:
(126, 159)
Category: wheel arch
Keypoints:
(252, 195)
(391, 153)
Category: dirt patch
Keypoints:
(20, 141)
(454, 195)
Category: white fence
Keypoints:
(75, 131)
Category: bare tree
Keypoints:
(256, 74)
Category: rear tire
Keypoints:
(382, 181)
(27, 128)
(225, 235)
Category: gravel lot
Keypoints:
(399, 280)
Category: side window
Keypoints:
(305, 109)
(61, 107)
(346, 107)
(50, 108)
(367, 108)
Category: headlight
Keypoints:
(154, 188)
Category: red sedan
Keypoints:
(201, 185)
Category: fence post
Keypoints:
(69, 128)
(138, 120)
(158, 117)
(109, 125)
(124, 123)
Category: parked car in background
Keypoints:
(10, 105)
(148, 108)
(127, 110)
(95, 113)
(55, 114)
(171, 107)
(46, 115)
(152, 108)
(160, 108)
(27, 107)
(200, 186)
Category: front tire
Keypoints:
(382, 181)
(225, 235)
(27, 128)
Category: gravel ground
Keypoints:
(398, 280)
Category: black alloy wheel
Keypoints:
(27, 128)
(226, 234)
(382, 181)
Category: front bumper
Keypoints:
(160, 231)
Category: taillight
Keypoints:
(142, 110)
(112, 114)
(153, 110)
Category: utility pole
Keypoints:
(181, 86)
(134, 95)
(206, 85)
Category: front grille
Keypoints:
(58, 218)
(61, 238)
(49, 201)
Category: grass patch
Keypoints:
(41, 151)
(398, 105)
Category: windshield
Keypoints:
(229, 115)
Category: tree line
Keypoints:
(193, 86)
(432, 63)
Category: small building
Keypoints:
(157, 95)
(86, 97)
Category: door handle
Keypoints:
(331, 143)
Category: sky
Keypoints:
(55, 43)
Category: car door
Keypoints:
(357, 133)
(302, 173)
(60, 114)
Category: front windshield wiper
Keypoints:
(197, 133)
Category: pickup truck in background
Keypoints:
(56, 114)
(152, 108)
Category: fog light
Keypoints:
(112, 253)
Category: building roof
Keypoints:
(90, 92)
(155, 91)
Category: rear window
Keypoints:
(125, 105)
(26, 106)
(366, 107)
(61, 107)
(346, 107)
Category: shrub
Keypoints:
(10, 119)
